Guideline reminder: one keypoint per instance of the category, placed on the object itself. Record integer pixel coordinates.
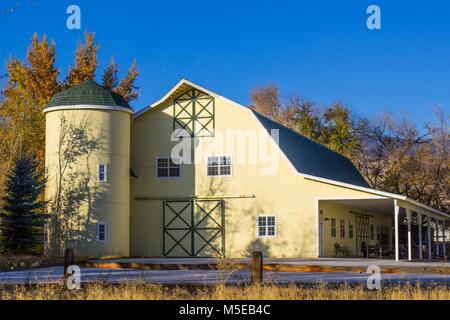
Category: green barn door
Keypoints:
(193, 228)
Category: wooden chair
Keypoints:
(340, 250)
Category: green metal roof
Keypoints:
(88, 93)
(312, 158)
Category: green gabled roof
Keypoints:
(88, 93)
(312, 158)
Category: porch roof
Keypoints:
(376, 197)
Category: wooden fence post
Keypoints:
(257, 267)
(69, 259)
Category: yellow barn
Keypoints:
(198, 175)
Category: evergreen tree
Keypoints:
(22, 217)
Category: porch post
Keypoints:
(419, 218)
(408, 218)
(396, 213)
(429, 238)
(444, 249)
(437, 236)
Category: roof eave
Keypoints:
(375, 192)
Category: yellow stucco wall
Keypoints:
(289, 196)
(93, 201)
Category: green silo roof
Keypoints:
(88, 93)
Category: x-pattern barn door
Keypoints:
(193, 228)
(194, 112)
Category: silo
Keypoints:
(88, 172)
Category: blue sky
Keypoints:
(319, 49)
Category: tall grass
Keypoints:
(141, 291)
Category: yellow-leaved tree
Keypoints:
(31, 85)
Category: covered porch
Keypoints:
(386, 226)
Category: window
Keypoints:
(267, 227)
(333, 227)
(342, 228)
(350, 229)
(102, 172)
(101, 232)
(219, 166)
(372, 232)
(378, 233)
(168, 168)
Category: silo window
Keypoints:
(101, 232)
(102, 172)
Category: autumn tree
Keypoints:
(267, 101)
(338, 130)
(85, 61)
(30, 86)
(110, 77)
(126, 87)
(32, 83)
(331, 126)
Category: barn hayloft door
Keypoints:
(194, 228)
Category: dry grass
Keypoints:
(140, 291)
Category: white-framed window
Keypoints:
(167, 167)
(267, 226)
(333, 227)
(342, 228)
(219, 166)
(102, 172)
(101, 232)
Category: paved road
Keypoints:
(54, 274)
(326, 262)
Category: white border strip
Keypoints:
(87, 107)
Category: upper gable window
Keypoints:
(194, 114)
(219, 166)
(168, 168)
